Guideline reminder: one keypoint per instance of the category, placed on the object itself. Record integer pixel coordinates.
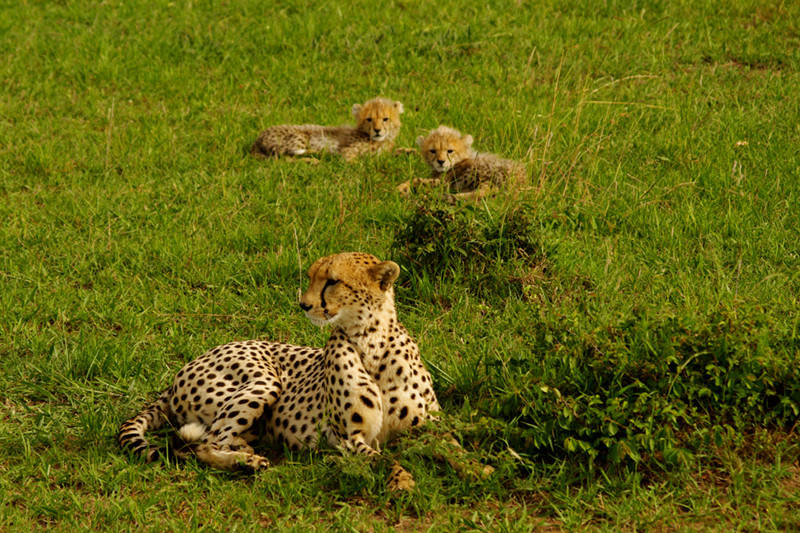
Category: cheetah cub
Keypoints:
(377, 127)
(468, 174)
(364, 387)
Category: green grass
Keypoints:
(619, 338)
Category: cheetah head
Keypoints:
(379, 118)
(346, 289)
(444, 148)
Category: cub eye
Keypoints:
(369, 120)
(450, 151)
(385, 119)
(433, 152)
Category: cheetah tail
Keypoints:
(132, 433)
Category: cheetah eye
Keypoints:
(385, 119)
(330, 283)
(433, 152)
(450, 151)
(369, 120)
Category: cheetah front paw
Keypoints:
(400, 480)
(399, 151)
(404, 188)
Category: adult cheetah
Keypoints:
(365, 386)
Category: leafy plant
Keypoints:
(494, 254)
(645, 389)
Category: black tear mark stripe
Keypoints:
(331, 283)
(328, 283)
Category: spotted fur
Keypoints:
(377, 127)
(364, 387)
(468, 174)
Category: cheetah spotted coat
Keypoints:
(365, 386)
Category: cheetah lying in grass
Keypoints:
(377, 127)
(468, 174)
(364, 387)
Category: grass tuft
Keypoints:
(497, 254)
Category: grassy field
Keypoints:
(619, 337)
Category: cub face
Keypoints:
(345, 289)
(445, 147)
(379, 118)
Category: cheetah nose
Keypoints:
(377, 132)
(440, 161)
(304, 307)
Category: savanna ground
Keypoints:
(618, 337)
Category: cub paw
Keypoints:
(404, 188)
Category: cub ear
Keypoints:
(420, 140)
(356, 110)
(399, 107)
(467, 140)
(385, 273)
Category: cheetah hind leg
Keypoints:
(236, 455)
(225, 445)
(224, 458)
(255, 151)
(309, 160)
(484, 190)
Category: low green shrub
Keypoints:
(493, 255)
(645, 389)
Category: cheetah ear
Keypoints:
(399, 107)
(356, 110)
(385, 273)
(467, 140)
(420, 140)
